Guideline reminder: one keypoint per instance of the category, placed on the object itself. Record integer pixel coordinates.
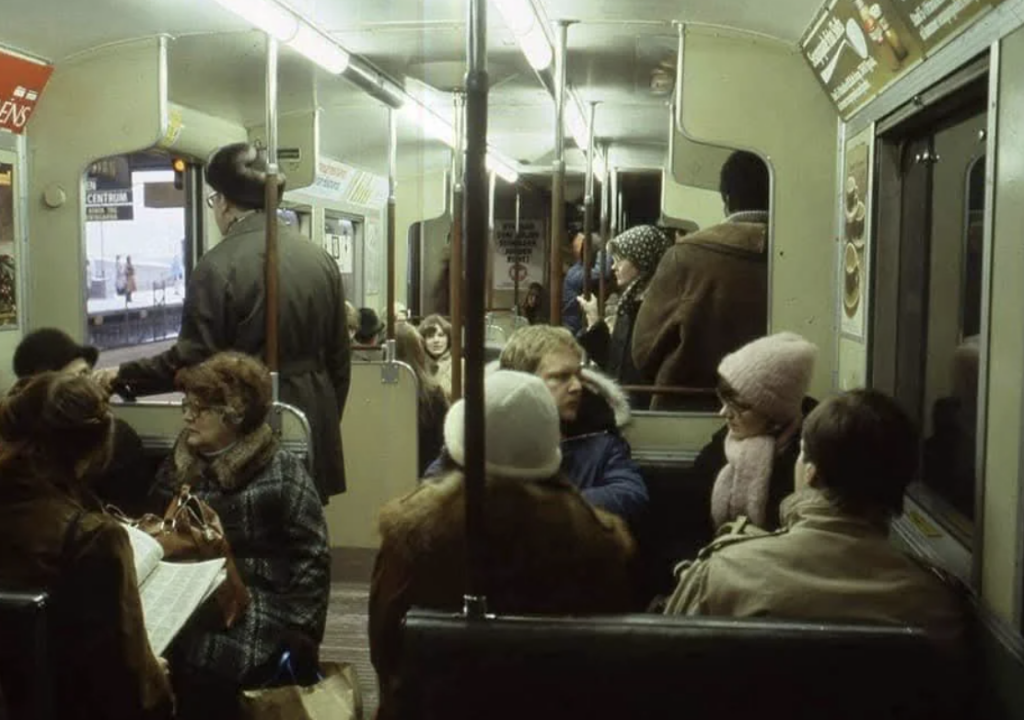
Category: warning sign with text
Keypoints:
(519, 256)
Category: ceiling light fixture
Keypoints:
(282, 24)
(522, 20)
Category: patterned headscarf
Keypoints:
(643, 246)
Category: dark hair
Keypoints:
(369, 327)
(865, 450)
(232, 380)
(49, 349)
(744, 182)
(54, 420)
(239, 173)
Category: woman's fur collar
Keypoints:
(234, 468)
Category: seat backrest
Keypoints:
(649, 666)
(25, 673)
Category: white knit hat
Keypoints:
(523, 432)
(771, 374)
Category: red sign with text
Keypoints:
(21, 83)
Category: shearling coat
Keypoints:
(224, 310)
(708, 297)
(50, 539)
(823, 565)
(550, 552)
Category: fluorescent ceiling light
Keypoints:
(521, 19)
(320, 49)
(431, 123)
(282, 24)
(267, 15)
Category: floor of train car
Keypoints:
(347, 639)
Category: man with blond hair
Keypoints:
(592, 410)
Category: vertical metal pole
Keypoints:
(515, 244)
(614, 205)
(588, 204)
(389, 347)
(558, 176)
(270, 268)
(606, 215)
(491, 196)
(475, 602)
(455, 267)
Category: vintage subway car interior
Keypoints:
(890, 131)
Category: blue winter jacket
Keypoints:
(595, 457)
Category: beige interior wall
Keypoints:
(105, 102)
(1006, 348)
(417, 197)
(746, 92)
(703, 207)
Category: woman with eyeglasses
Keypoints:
(225, 310)
(748, 465)
(274, 523)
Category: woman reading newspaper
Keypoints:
(274, 522)
(55, 438)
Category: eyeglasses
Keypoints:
(195, 409)
(210, 198)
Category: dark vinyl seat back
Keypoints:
(26, 679)
(649, 666)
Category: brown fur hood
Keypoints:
(549, 513)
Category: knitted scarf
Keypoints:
(234, 467)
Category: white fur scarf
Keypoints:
(741, 487)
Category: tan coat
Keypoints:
(823, 565)
(708, 297)
(550, 552)
(104, 667)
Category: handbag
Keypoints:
(335, 696)
(191, 530)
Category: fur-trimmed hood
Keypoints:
(605, 405)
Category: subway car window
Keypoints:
(937, 300)
(135, 252)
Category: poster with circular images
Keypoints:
(854, 256)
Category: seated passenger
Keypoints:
(635, 254)
(275, 525)
(431, 402)
(535, 307)
(709, 294)
(437, 336)
(55, 437)
(126, 481)
(748, 465)
(548, 550)
(595, 456)
(833, 560)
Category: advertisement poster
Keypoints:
(935, 21)
(21, 84)
(855, 254)
(8, 274)
(519, 256)
(857, 48)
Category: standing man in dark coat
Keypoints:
(225, 310)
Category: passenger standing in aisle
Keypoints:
(709, 294)
(431, 400)
(225, 310)
(636, 254)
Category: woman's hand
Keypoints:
(589, 308)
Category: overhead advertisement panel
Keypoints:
(857, 48)
(21, 83)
